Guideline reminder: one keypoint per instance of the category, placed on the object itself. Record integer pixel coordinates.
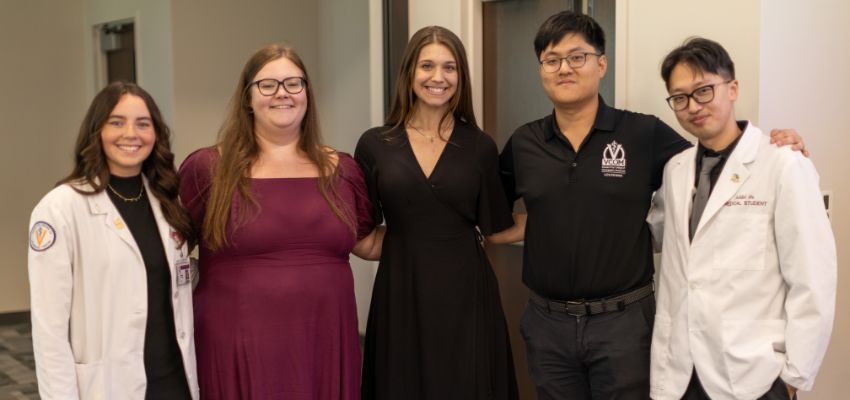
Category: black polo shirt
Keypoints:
(587, 235)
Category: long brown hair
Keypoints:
(404, 102)
(90, 164)
(238, 149)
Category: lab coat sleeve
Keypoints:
(50, 276)
(808, 263)
(655, 219)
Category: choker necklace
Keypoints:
(430, 138)
(129, 199)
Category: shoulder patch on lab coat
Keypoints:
(42, 236)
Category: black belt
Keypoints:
(582, 307)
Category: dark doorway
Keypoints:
(395, 40)
(118, 44)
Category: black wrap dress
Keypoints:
(436, 328)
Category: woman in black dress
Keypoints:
(436, 327)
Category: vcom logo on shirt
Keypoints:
(614, 160)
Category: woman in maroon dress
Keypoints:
(436, 328)
(276, 214)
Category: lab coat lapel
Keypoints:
(99, 204)
(681, 186)
(735, 173)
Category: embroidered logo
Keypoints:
(42, 236)
(614, 160)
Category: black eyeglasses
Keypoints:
(574, 60)
(701, 95)
(292, 85)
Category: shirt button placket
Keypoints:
(572, 169)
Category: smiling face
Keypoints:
(282, 111)
(713, 123)
(571, 86)
(128, 136)
(435, 78)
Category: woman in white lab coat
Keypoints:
(108, 266)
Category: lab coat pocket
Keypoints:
(749, 353)
(90, 381)
(740, 241)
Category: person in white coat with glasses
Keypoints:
(746, 286)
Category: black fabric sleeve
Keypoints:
(493, 213)
(364, 155)
(506, 173)
(666, 144)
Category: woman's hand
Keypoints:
(513, 234)
(369, 248)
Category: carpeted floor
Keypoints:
(17, 369)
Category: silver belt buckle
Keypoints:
(581, 304)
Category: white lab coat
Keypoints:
(753, 296)
(88, 293)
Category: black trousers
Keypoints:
(603, 356)
(778, 391)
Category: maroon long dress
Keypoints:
(275, 314)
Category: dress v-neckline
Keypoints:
(412, 153)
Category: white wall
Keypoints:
(41, 107)
(446, 13)
(805, 63)
(649, 29)
(345, 85)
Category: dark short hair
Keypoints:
(563, 23)
(700, 54)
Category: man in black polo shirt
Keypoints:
(586, 174)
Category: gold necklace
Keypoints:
(130, 199)
(430, 138)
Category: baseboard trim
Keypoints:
(11, 318)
